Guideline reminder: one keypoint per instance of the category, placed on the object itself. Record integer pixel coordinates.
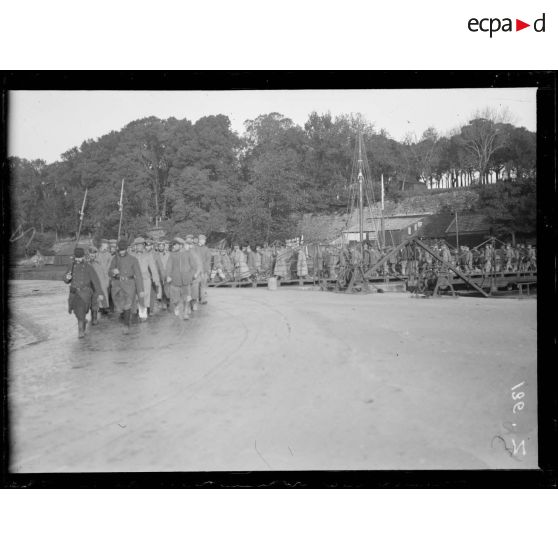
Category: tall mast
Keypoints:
(360, 193)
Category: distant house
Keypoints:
(397, 228)
(435, 226)
(472, 228)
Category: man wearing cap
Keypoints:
(508, 257)
(205, 255)
(241, 270)
(156, 288)
(103, 255)
(102, 275)
(84, 288)
(181, 270)
(161, 256)
(126, 281)
(149, 274)
(251, 261)
(193, 248)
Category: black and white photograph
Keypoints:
(272, 280)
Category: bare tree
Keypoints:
(482, 135)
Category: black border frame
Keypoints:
(545, 81)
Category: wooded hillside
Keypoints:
(204, 177)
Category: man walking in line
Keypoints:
(161, 258)
(126, 282)
(84, 288)
(182, 269)
(193, 248)
(205, 255)
(102, 274)
(149, 274)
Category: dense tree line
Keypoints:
(204, 177)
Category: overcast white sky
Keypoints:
(45, 124)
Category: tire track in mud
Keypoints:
(271, 308)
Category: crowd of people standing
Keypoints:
(328, 261)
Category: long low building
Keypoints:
(395, 228)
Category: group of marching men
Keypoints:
(138, 280)
(328, 261)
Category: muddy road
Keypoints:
(274, 380)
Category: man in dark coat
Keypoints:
(84, 288)
(126, 281)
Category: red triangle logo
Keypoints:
(519, 25)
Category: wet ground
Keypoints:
(287, 379)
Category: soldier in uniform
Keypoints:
(192, 246)
(258, 256)
(531, 258)
(281, 269)
(238, 258)
(205, 255)
(487, 258)
(508, 257)
(301, 263)
(497, 260)
(520, 257)
(156, 282)
(217, 272)
(126, 281)
(161, 258)
(102, 274)
(267, 260)
(445, 254)
(251, 261)
(150, 275)
(103, 256)
(84, 288)
(182, 269)
(228, 266)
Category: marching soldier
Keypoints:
(84, 288)
(445, 254)
(301, 264)
(205, 255)
(103, 255)
(532, 257)
(156, 282)
(192, 245)
(102, 275)
(487, 258)
(217, 273)
(251, 261)
(508, 255)
(161, 259)
(150, 275)
(258, 256)
(281, 269)
(267, 260)
(126, 281)
(238, 257)
(228, 266)
(182, 269)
